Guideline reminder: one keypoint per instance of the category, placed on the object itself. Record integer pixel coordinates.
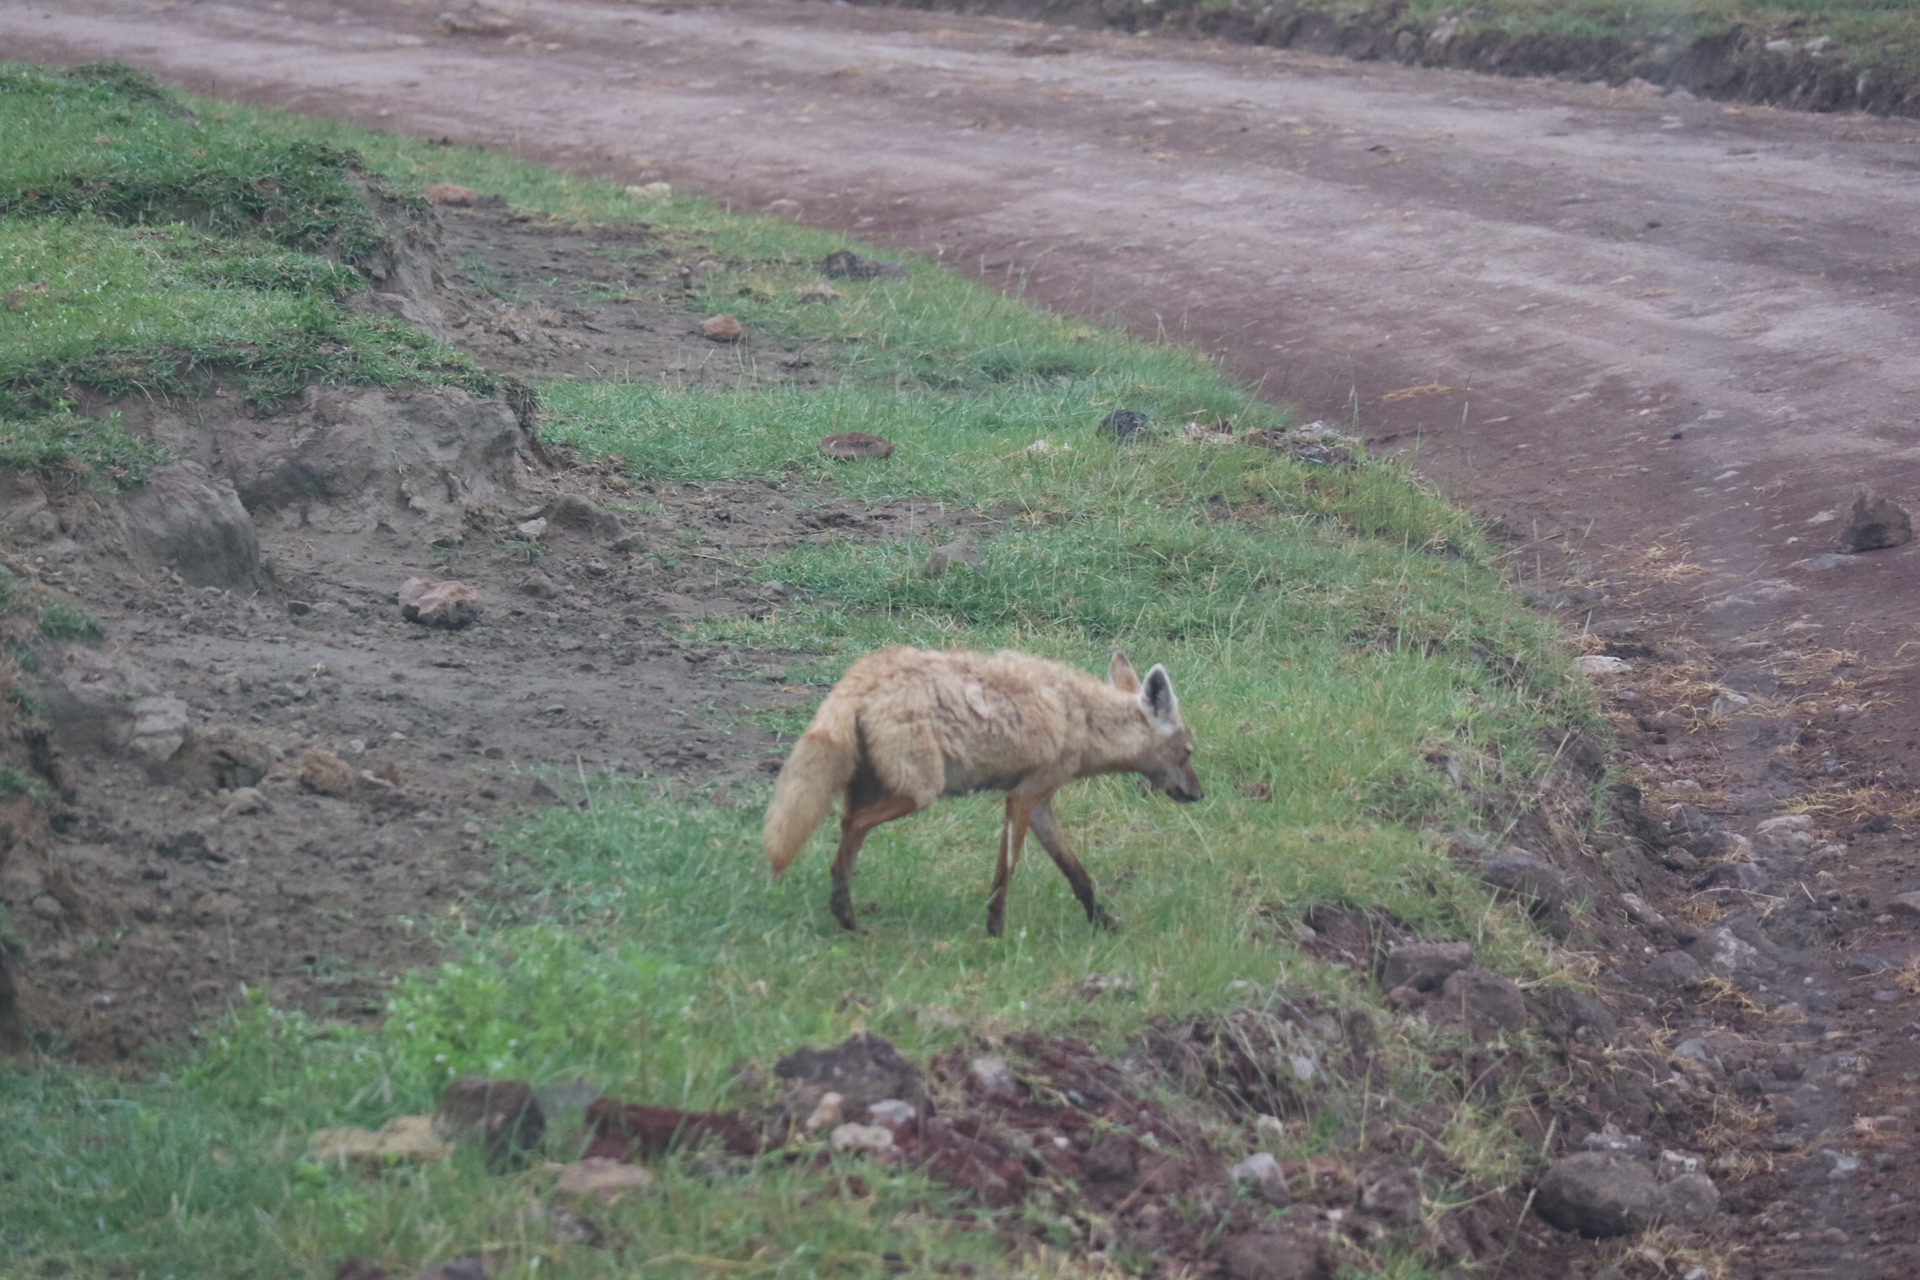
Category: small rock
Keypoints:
(1905, 904)
(1519, 875)
(1611, 1141)
(48, 907)
(822, 292)
(992, 1073)
(159, 728)
(575, 514)
(1394, 1198)
(1100, 984)
(844, 265)
(451, 193)
(327, 773)
(650, 190)
(531, 530)
(1599, 664)
(1641, 913)
(784, 207)
(1875, 522)
(501, 1115)
(722, 328)
(1482, 1002)
(1262, 1176)
(1423, 966)
(606, 1180)
(245, 800)
(1691, 819)
(539, 586)
(1677, 970)
(1694, 1049)
(856, 446)
(1598, 1195)
(891, 1112)
(448, 604)
(961, 551)
(826, 1114)
(408, 1138)
(1125, 426)
(861, 1137)
(1690, 1197)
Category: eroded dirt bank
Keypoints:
(1660, 340)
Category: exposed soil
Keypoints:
(1656, 340)
(169, 892)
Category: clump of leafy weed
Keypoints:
(60, 620)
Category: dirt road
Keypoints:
(1659, 339)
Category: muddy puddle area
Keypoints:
(267, 775)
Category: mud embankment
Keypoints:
(1739, 63)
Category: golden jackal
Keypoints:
(907, 726)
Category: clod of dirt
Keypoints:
(1575, 1015)
(1394, 1199)
(1601, 1195)
(1276, 1255)
(446, 603)
(626, 1131)
(408, 1138)
(1529, 880)
(1423, 966)
(827, 1114)
(192, 522)
(451, 193)
(722, 328)
(856, 446)
(606, 1180)
(844, 265)
(872, 1139)
(1876, 522)
(571, 513)
(1125, 426)
(863, 1070)
(1481, 1002)
(327, 773)
(501, 1115)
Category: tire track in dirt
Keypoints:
(1638, 331)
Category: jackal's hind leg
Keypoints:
(1013, 835)
(1048, 830)
(853, 833)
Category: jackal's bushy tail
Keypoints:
(819, 768)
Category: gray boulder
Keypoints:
(187, 520)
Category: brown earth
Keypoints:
(1656, 340)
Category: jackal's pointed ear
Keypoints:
(1157, 700)
(1120, 674)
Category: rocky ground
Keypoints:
(1659, 341)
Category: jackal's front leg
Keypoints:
(1013, 835)
(1055, 844)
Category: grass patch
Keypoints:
(145, 250)
(60, 620)
(1329, 629)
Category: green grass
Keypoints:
(146, 251)
(1327, 630)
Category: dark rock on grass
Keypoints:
(722, 328)
(1601, 1195)
(856, 446)
(1423, 966)
(1542, 888)
(844, 265)
(187, 520)
(1481, 1002)
(631, 1132)
(961, 551)
(1876, 522)
(1276, 1255)
(502, 1116)
(862, 1069)
(1125, 426)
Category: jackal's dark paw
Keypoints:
(1105, 919)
